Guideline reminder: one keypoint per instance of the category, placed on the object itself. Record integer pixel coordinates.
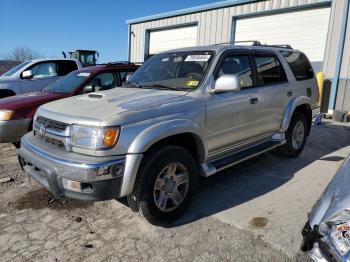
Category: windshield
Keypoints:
(68, 83)
(16, 68)
(182, 70)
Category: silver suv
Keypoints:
(184, 113)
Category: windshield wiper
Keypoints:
(134, 84)
(164, 86)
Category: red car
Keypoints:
(17, 112)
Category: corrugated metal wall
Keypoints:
(214, 26)
(342, 100)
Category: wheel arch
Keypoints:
(185, 133)
(300, 104)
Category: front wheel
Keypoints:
(295, 136)
(165, 185)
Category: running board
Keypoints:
(213, 167)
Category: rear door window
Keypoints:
(103, 81)
(299, 64)
(123, 75)
(270, 70)
(65, 66)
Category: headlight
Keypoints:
(339, 231)
(94, 137)
(6, 115)
(340, 236)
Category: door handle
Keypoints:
(254, 100)
(289, 93)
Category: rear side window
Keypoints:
(270, 70)
(65, 67)
(299, 64)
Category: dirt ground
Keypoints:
(35, 226)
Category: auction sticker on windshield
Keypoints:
(197, 58)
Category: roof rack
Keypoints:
(256, 43)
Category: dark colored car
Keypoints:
(17, 112)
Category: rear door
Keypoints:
(274, 86)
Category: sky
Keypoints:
(50, 27)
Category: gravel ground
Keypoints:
(35, 226)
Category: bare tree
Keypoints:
(22, 53)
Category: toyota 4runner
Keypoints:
(184, 113)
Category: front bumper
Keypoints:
(99, 178)
(13, 130)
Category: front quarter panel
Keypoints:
(159, 131)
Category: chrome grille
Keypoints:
(52, 124)
(51, 142)
(53, 133)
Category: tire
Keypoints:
(295, 140)
(166, 173)
(16, 144)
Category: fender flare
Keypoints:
(159, 131)
(294, 103)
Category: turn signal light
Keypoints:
(111, 137)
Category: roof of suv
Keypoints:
(223, 47)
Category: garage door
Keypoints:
(304, 30)
(163, 40)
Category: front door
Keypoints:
(234, 117)
(44, 73)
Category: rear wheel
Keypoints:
(166, 183)
(296, 136)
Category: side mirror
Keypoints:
(28, 74)
(88, 89)
(128, 78)
(227, 83)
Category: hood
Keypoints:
(28, 99)
(5, 79)
(101, 106)
(335, 198)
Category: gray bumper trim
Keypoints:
(70, 163)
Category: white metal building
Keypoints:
(316, 27)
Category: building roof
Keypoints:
(6, 65)
(190, 10)
(199, 8)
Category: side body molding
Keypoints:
(294, 103)
(159, 131)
